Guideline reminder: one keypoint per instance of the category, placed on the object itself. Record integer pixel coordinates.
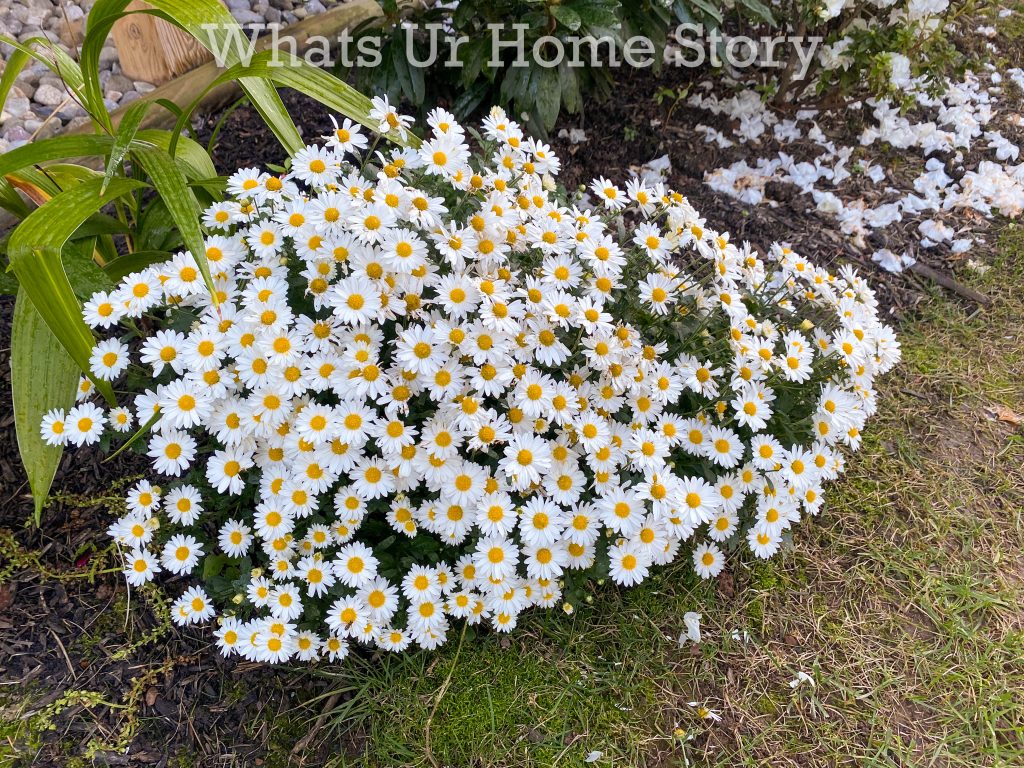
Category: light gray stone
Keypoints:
(48, 95)
(17, 103)
(129, 97)
(17, 133)
(70, 112)
(118, 83)
(143, 87)
(247, 17)
(49, 130)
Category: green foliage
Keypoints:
(534, 91)
(34, 350)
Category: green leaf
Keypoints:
(83, 273)
(709, 8)
(11, 201)
(172, 186)
(43, 376)
(135, 437)
(566, 16)
(192, 157)
(122, 141)
(213, 27)
(760, 10)
(35, 253)
(571, 98)
(547, 94)
(134, 262)
(57, 148)
(156, 230)
(292, 72)
(210, 23)
(51, 55)
(100, 224)
(15, 63)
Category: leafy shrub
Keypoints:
(434, 388)
(535, 91)
(856, 41)
(860, 39)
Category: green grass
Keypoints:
(904, 600)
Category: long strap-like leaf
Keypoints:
(288, 71)
(213, 27)
(123, 140)
(35, 254)
(172, 186)
(57, 148)
(43, 376)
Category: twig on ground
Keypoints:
(950, 284)
(302, 743)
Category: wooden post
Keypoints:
(154, 50)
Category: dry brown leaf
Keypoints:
(1003, 414)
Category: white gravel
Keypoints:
(38, 105)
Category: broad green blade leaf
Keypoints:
(40, 184)
(122, 141)
(101, 224)
(192, 158)
(83, 274)
(760, 10)
(293, 72)
(172, 186)
(11, 201)
(57, 148)
(156, 231)
(43, 376)
(210, 23)
(15, 63)
(51, 55)
(35, 253)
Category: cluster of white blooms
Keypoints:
(431, 389)
(944, 130)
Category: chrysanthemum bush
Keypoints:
(431, 389)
